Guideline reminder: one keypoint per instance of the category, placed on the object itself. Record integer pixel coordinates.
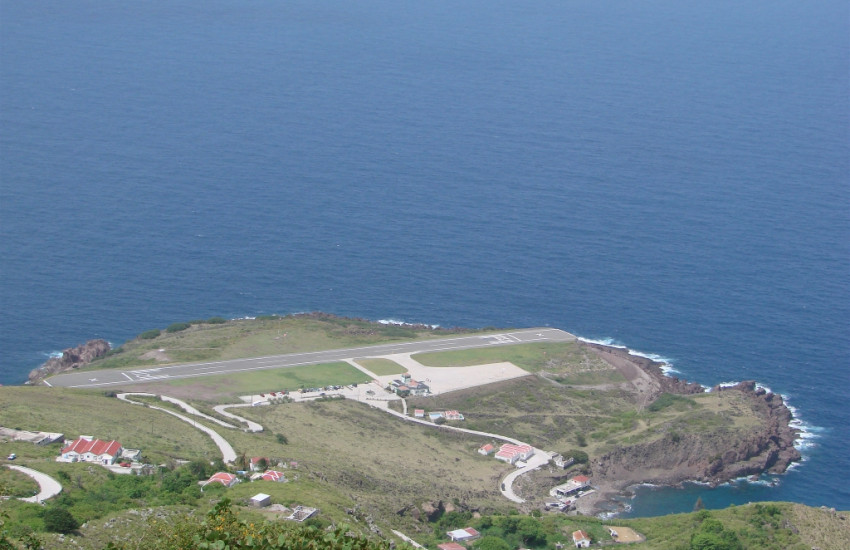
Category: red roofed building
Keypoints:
(486, 449)
(226, 479)
(511, 453)
(451, 546)
(274, 475)
(581, 479)
(581, 539)
(88, 449)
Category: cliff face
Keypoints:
(72, 358)
(714, 457)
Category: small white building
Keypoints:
(463, 535)
(261, 500)
(581, 539)
(486, 449)
(88, 449)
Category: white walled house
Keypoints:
(87, 449)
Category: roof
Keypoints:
(224, 478)
(581, 479)
(260, 496)
(94, 446)
(451, 546)
(580, 535)
(256, 459)
(463, 534)
(488, 447)
(273, 475)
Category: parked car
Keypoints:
(12, 456)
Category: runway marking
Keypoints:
(282, 361)
(503, 338)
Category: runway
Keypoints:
(124, 377)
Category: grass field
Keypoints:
(382, 367)
(14, 483)
(538, 412)
(266, 380)
(243, 338)
(75, 412)
(386, 461)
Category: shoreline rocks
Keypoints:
(72, 358)
(714, 458)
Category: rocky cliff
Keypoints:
(714, 457)
(72, 358)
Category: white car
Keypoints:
(12, 456)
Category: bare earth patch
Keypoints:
(158, 355)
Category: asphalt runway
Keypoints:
(122, 377)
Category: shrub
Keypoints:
(59, 520)
(177, 327)
(668, 400)
(216, 321)
(579, 457)
(150, 334)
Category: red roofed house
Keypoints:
(581, 539)
(511, 453)
(486, 449)
(463, 535)
(274, 475)
(87, 449)
(451, 546)
(581, 479)
(453, 415)
(226, 479)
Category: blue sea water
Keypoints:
(672, 176)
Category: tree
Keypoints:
(530, 531)
(58, 519)
(581, 440)
(491, 543)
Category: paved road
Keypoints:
(228, 455)
(49, 487)
(102, 378)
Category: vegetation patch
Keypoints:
(268, 380)
(382, 367)
(219, 339)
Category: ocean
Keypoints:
(669, 176)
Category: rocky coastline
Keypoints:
(714, 459)
(71, 358)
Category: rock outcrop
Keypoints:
(72, 358)
(714, 457)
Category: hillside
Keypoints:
(372, 470)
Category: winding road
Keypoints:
(49, 487)
(228, 455)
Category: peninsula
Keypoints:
(392, 425)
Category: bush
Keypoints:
(216, 321)
(668, 400)
(150, 334)
(59, 520)
(579, 457)
(177, 327)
